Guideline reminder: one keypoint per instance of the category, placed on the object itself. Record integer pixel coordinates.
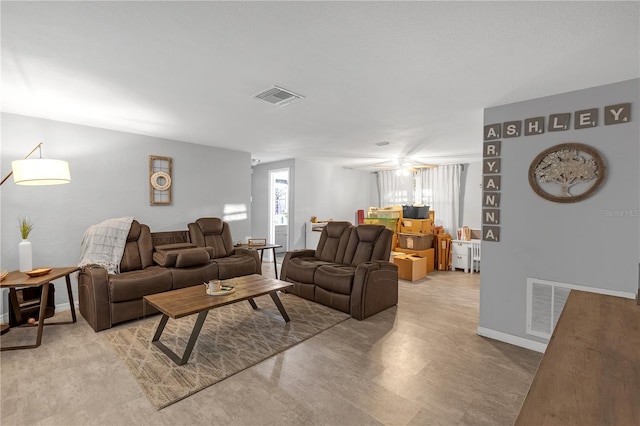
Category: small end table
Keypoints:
(16, 279)
(261, 248)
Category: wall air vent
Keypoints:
(278, 96)
(546, 299)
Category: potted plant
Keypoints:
(24, 248)
(25, 227)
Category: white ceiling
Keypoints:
(416, 74)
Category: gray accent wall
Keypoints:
(592, 243)
(109, 178)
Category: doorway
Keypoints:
(279, 210)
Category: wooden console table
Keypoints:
(17, 279)
(590, 372)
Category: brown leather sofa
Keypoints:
(348, 271)
(150, 264)
(231, 261)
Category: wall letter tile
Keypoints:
(616, 114)
(534, 126)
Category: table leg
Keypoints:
(15, 305)
(160, 329)
(280, 307)
(275, 264)
(192, 339)
(252, 303)
(70, 293)
(43, 312)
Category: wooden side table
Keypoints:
(17, 279)
(261, 248)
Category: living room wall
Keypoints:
(109, 178)
(260, 197)
(591, 243)
(470, 186)
(316, 189)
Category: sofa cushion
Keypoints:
(195, 275)
(341, 302)
(181, 258)
(138, 250)
(303, 268)
(175, 246)
(333, 241)
(337, 279)
(362, 243)
(210, 225)
(136, 284)
(212, 232)
(235, 266)
(192, 257)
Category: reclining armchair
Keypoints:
(214, 233)
(107, 299)
(348, 271)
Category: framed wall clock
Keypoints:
(160, 180)
(567, 173)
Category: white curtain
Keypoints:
(439, 188)
(395, 188)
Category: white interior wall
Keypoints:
(324, 191)
(260, 197)
(471, 208)
(109, 178)
(594, 242)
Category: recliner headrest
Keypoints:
(134, 231)
(369, 233)
(335, 229)
(210, 225)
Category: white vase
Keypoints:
(26, 256)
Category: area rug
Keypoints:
(233, 338)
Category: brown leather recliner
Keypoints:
(108, 299)
(349, 270)
(231, 262)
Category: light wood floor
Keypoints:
(420, 363)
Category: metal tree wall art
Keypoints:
(566, 167)
(556, 171)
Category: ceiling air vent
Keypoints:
(278, 96)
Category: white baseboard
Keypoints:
(512, 340)
(4, 318)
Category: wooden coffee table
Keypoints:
(194, 300)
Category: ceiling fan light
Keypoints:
(404, 162)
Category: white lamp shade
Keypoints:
(40, 171)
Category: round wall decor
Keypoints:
(161, 181)
(567, 173)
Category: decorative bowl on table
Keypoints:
(38, 272)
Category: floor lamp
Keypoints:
(37, 171)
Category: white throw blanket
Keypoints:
(103, 244)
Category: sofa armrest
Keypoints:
(375, 288)
(245, 251)
(93, 297)
(290, 255)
